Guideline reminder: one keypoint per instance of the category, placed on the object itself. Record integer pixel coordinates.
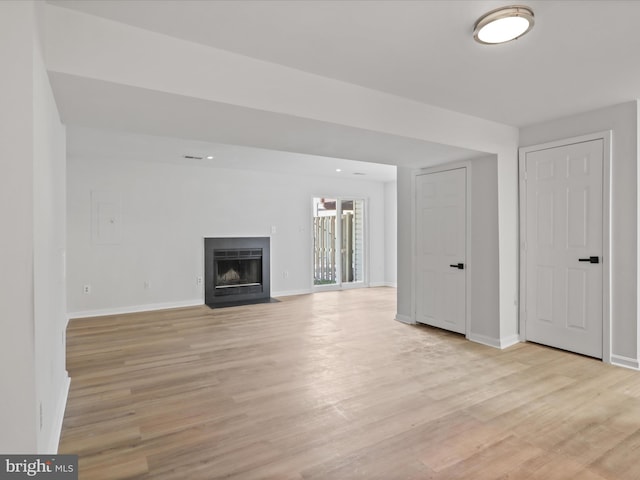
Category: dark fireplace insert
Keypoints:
(236, 271)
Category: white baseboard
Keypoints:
(164, 306)
(405, 319)
(507, 342)
(383, 284)
(494, 342)
(290, 293)
(626, 362)
(135, 309)
(52, 443)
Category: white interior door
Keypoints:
(441, 249)
(563, 247)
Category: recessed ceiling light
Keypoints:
(503, 25)
(338, 169)
(210, 157)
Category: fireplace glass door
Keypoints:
(238, 273)
(236, 268)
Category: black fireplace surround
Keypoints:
(236, 271)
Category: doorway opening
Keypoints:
(339, 243)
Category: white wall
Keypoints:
(390, 234)
(18, 412)
(484, 264)
(404, 179)
(623, 120)
(167, 210)
(31, 205)
(50, 306)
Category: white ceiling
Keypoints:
(101, 144)
(580, 56)
(203, 125)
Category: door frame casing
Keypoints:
(466, 166)
(606, 137)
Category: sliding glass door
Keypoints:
(339, 242)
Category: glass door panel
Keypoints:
(352, 247)
(325, 234)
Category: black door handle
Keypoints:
(590, 259)
(458, 265)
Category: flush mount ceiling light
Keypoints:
(503, 25)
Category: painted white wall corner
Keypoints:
(500, 343)
(405, 319)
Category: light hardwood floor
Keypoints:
(329, 386)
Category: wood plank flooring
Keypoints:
(329, 386)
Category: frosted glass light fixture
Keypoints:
(503, 25)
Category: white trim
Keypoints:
(468, 265)
(607, 138)
(509, 341)
(637, 275)
(626, 362)
(383, 284)
(466, 165)
(500, 343)
(135, 309)
(366, 241)
(53, 442)
(607, 154)
(405, 319)
(352, 285)
(291, 293)
(414, 243)
(327, 287)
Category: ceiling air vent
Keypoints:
(192, 157)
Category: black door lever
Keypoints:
(458, 265)
(590, 259)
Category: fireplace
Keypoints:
(236, 271)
